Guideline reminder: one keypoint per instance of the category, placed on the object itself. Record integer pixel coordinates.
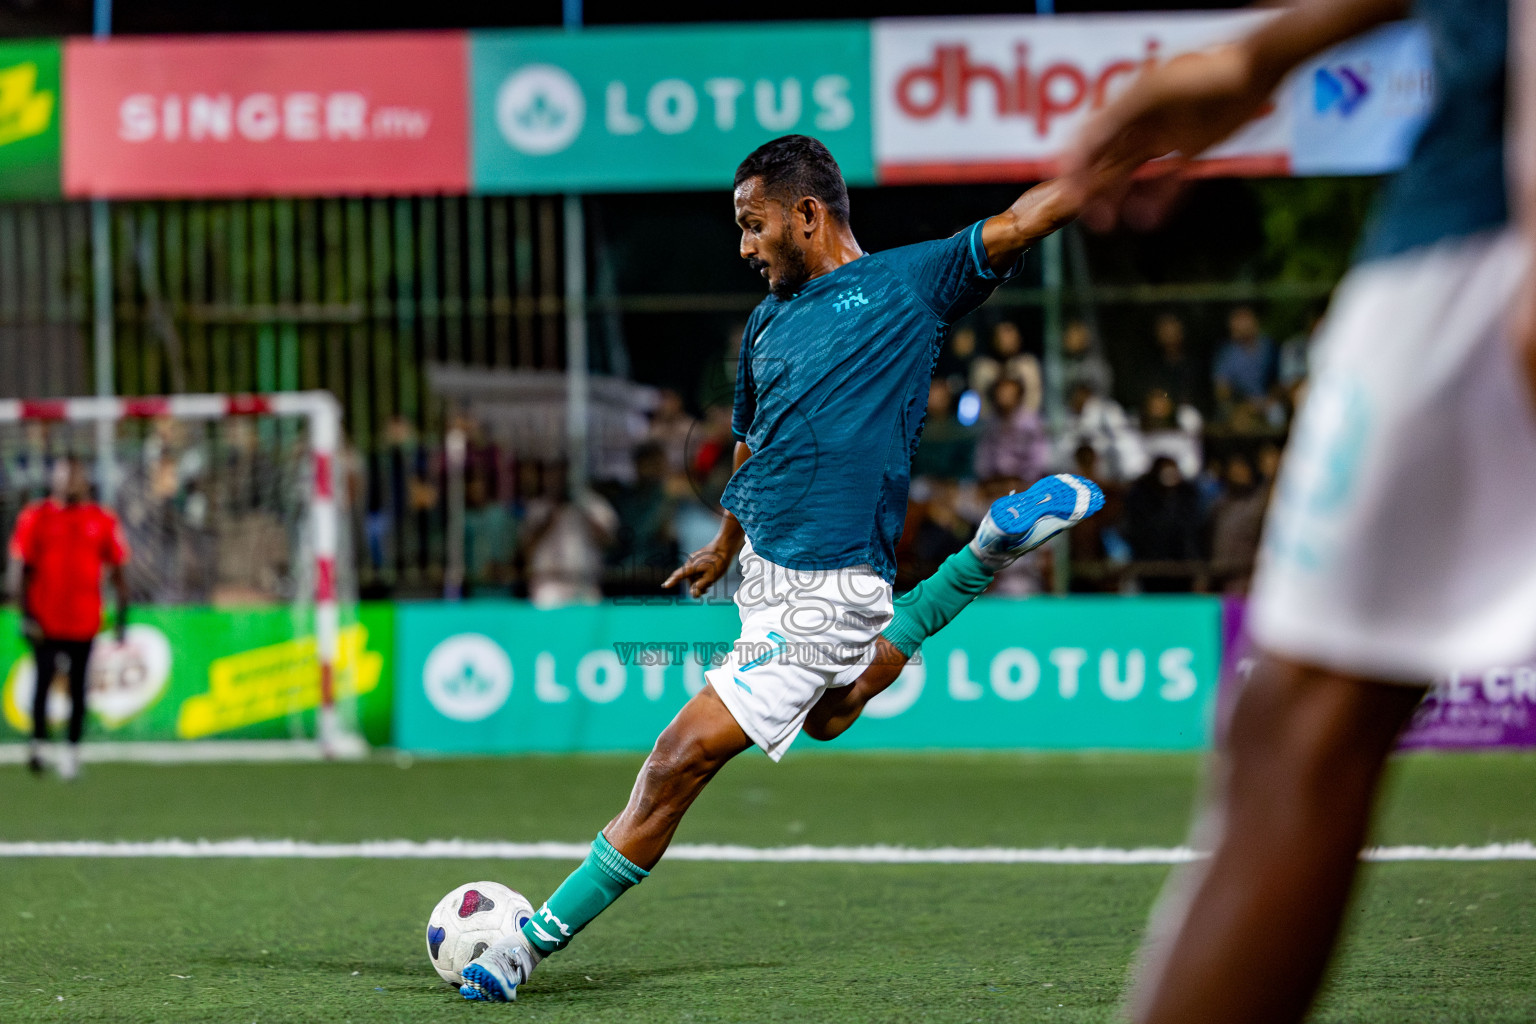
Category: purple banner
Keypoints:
(1496, 708)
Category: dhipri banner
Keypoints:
(999, 98)
(1122, 673)
(262, 115)
(662, 108)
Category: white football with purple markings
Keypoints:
(469, 919)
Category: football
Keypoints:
(469, 919)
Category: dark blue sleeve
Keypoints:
(950, 276)
(744, 408)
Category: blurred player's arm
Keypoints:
(1522, 24)
(1044, 209)
(705, 566)
(1188, 104)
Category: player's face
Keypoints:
(69, 482)
(767, 240)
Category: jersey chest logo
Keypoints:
(847, 299)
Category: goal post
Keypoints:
(313, 534)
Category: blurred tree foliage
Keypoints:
(1310, 229)
(1310, 225)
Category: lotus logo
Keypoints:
(467, 677)
(540, 109)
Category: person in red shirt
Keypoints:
(62, 543)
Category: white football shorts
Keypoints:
(803, 632)
(1401, 542)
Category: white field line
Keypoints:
(465, 849)
(185, 751)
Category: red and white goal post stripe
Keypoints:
(323, 415)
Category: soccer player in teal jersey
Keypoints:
(1400, 545)
(830, 398)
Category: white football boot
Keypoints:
(495, 974)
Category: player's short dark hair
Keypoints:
(794, 166)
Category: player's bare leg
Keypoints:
(705, 735)
(687, 754)
(1246, 936)
(840, 708)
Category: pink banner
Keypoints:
(265, 115)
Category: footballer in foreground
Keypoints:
(831, 393)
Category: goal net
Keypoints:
(234, 509)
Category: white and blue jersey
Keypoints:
(831, 392)
(1453, 184)
(1401, 543)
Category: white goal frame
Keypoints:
(323, 415)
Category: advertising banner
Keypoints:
(998, 99)
(1120, 673)
(29, 109)
(264, 115)
(661, 108)
(1359, 107)
(29, 120)
(1494, 708)
(202, 673)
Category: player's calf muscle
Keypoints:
(688, 753)
(671, 777)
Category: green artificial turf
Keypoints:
(335, 941)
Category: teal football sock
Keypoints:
(588, 891)
(933, 603)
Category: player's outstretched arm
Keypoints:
(704, 567)
(1188, 104)
(1046, 208)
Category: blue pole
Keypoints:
(1055, 393)
(103, 356)
(570, 11)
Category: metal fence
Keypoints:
(354, 296)
(358, 296)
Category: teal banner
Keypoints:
(661, 108)
(1072, 673)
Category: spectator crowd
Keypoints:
(1185, 443)
(1186, 467)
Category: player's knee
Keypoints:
(820, 729)
(828, 726)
